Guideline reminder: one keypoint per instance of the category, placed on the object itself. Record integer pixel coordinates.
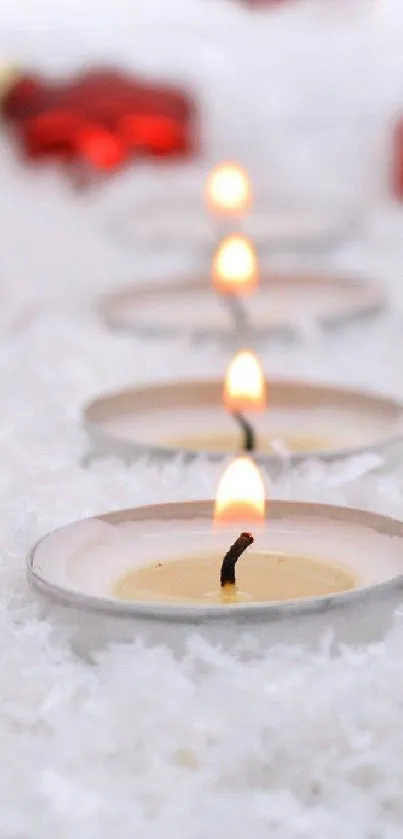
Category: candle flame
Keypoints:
(235, 265)
(245, 386)
(228, 190)
(240, 494)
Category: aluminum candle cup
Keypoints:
(282, 306)
(79, 570)
(177, 224)
(302, 421)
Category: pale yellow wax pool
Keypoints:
(262, 576)
(232, 442)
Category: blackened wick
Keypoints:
(249, 441)
(227, 576)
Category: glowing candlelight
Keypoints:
(240, 494)
(240, 497)
(228, 190)
(235, 266)
(245, 387)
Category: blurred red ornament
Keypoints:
(51, 133)
(101, 117)
(23, 98)
(100, 147)
(397, 161)
(159, 134)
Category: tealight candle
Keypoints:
(163, 571)
(173, 218)
(245, 391)
(201, 577)
(302, 420)
(209, 575)
(282, 306)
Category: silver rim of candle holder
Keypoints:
(131, 225)
(366, 301)
(204, 394)
(238, 613)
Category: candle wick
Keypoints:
(227, 576)
(249, 437)
(237, 311)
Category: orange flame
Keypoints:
(235, 265)
(240, 494)
(228, 190)
(245, 386)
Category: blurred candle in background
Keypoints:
(228, 190)
(235, 265)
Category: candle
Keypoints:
(205, 573)
(302, 419)
(283, 306)
(157, 571)
(173, 218)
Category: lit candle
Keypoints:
(290, 418)
(235, 273)
(285, 305)
(163, 570)
(201, 568)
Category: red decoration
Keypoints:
(102, 118)
(100, 147)
(397, 161)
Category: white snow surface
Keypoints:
(291, 744)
